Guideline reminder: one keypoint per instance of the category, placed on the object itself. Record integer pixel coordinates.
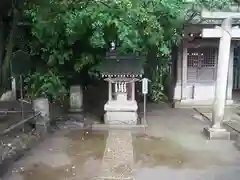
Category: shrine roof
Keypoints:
(121, 66)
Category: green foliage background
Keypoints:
(73, 35)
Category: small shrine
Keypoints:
(121, 72)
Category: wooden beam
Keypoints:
(219, 15)
(217, 33)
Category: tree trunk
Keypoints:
(7, 64)
(152, 61)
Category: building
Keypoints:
(196, 66)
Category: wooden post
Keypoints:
(133, 91)
(230, 74)
(109, 90)
(13, 88)
(184, 73)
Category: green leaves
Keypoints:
(48, 85)
(165, 50)
(83, 61)
(134, 24)
(68, 30)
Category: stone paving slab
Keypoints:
(118, 160)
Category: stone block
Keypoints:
(42, 105)
(76, 99)
(121, 106)
(219, 134)
(42, 127)
(120, 117)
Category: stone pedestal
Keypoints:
(42, 121)
(76, 99)
(217, 133)
(121, 112)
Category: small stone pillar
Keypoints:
(109, 90)
(76, 98)
(184, 73)
(14, 88)
(42, 121)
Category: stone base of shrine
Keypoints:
(123, 112)
(213, 133)
(119, 117)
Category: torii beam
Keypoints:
(226, 33)
(219, 15)
(217, 33)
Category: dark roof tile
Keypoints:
(122, 65)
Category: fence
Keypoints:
(14, 141)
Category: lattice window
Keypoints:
(201, 64)
(192, 58)
(202, 57)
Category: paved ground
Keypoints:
(172, 148)
(198, 157)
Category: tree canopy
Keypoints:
(77, 33)
(134, 25)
